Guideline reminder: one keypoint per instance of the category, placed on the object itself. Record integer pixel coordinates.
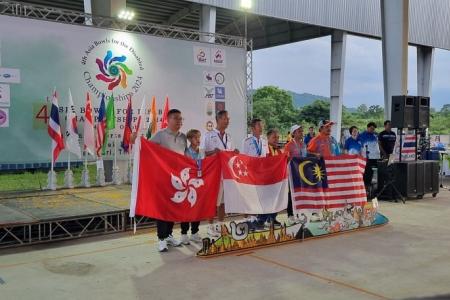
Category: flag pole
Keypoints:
(51, 177)
(85, 173)
(116, 172)
(68, 175)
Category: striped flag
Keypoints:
(88, 133)
(331, 182)
(165, 112)
(153, 121)
(54, 128)
(409, 147)
(141, 116)
(72, 138)
(101, 127)
(127, 129)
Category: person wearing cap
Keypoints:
(324, 144)
(295, 148)
(371, 150)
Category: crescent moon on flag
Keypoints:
(301, 172)
(230, 165)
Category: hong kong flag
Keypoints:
(170, 187)
(254, 185)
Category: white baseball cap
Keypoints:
(294, 128)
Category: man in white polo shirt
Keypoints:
(213, 142)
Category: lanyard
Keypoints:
(226, 140)
(273, 150)
(258, 146)
(298, 147)
(196, 157)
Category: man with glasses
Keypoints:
(170, 138)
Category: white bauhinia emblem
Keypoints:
(186, 187)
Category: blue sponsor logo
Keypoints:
(220, 92)
(7, 75)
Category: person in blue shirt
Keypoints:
(353, 144)
(370, 150)
(309, 136)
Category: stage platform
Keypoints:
(36, 217)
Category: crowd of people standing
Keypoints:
(368, 144)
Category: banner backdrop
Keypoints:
(37, 56)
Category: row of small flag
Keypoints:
(95, 141)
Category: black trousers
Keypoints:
(164, 229)
(290, 211)
(368, 172)
(185, 227)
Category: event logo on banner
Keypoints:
(218, 57)
(5, 95)
(8, 75)
(112, 66)
(202, 56)
(4, 117)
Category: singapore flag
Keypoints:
(254, 185)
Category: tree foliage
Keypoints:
(275, 107)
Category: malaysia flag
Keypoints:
(254, 185)
(127, 129)
(101, 126)
(330, 182)
(54, 129)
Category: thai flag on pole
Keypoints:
(127, 130)
(54, 128)
(101, 126)
(331, 182)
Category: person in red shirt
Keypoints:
(324, 144)
(296, 147)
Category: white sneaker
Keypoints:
(171, 241)
(162, 246)
(212, 232)
(291, 221)
(196, 238)
(185, 239)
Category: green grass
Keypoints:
(29, 181)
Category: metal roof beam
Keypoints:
(182, 13)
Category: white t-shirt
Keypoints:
(255, 147)
(212, 140)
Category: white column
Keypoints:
(394, 27)
(207, 22)
(425, 59)
(88, 10)
(338, 46)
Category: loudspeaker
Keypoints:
(403, 111)
(431, 176)
(406, 178)
(422, 113)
